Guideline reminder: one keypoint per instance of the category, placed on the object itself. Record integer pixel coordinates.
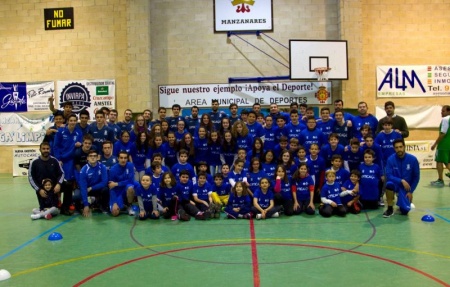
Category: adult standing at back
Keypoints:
(442, 143)
(339, 105)
(175, 118)
(275, 113)
(399, 123)
(363, 118)
(127, 124)
(216, 115)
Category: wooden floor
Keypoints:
(359, 250)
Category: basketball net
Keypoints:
(322, 73)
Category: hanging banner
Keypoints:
(413, 81)
(13, 97)
(422, 151)
(38, 94)
(246, 94)
(22, 158)
(88, 95)
(16, 129)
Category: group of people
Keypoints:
(247, 165)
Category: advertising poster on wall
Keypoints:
(88, 95)
(22, 158)
(413, 81)
(18, 129)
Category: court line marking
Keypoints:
(36, 238)
(255, 265)
(439, 216)
(58, 263)
(423, 273)
(283, 262)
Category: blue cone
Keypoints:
(55, 236)
(428, 218)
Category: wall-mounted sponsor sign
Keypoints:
(413, 81)
(243, 15)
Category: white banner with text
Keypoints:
(18, 129)
(22, 158)
(422, 150)
(417, 117)
(245, 94)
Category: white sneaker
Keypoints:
(91, 199)
(36, 211)
(276, 214)
(258, 216)
(131, 211)
(412, 205)
(35, 216)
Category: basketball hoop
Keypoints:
(322, 73)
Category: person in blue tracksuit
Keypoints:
(330, 196)
(303, 191)
(385, 139)
(350, 193)
(147, 198)
(403, 175)
(93, 182)
(263, 203)
(371, 175)
(255, 174)
(121, 185)
(67, 139)
(100, 131)
(239, 203)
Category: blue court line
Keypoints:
(442, 208)
(438, 216)
(35, 238)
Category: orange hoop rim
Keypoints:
(320, 70)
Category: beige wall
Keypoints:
(386, 32)
(144, 43)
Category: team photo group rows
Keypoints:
(238, 164)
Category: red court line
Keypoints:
(256, 279)
(280, 244)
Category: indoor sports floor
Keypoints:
(359, 250)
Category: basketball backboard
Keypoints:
(306, 55)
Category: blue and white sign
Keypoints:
(13, 97)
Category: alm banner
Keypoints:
(422, 150)
(25, 97)
(88, 95)
(16, 129)
(413, 81)
(246, 94)
(22, 158)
